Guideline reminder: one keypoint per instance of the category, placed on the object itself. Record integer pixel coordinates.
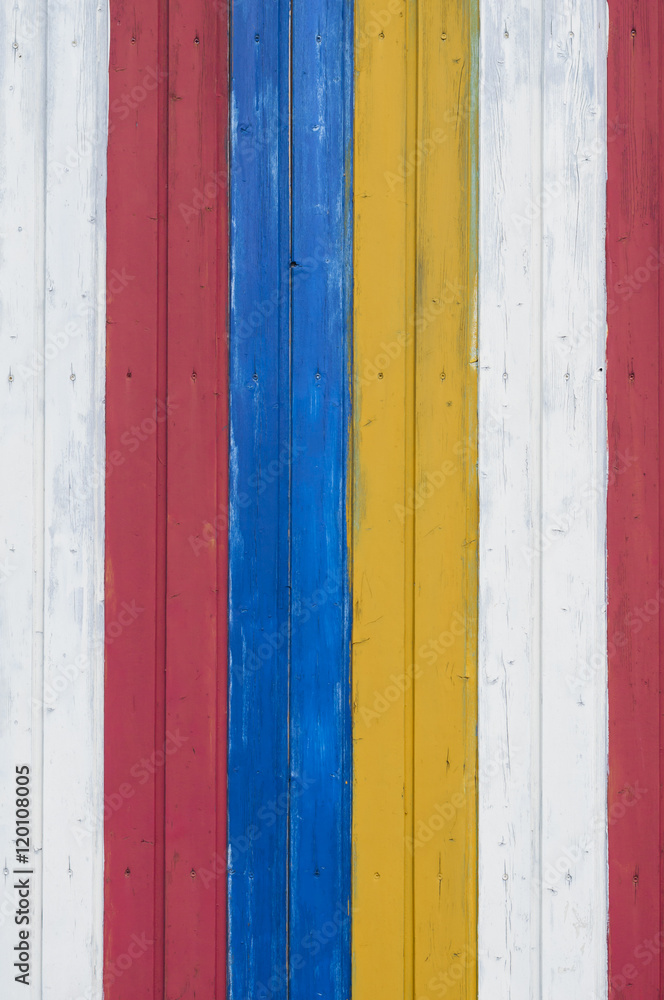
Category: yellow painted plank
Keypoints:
(446, 523)
(415, 502)
(379, 586)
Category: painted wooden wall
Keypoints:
(542, 471)
(328, 353)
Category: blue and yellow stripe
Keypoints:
(352, 809)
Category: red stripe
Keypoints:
(633, 279)
(166, 479)
(197, 490)
(134, 508)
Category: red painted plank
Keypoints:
(197, 490)
(134, 508)
(166, 483)
(634, 246)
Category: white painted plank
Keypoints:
(74, 491)
(22, 90)
(574, 470)
(52, 323)
(542, 868)
(509, 380)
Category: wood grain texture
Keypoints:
(542, 321)
(135, 502)
(77, 102)
(54, 84)
(289, 692)
(258, 785)
(634, 260)
(23, 197)
(381, 310)
(445, 532)
(415, 502)
(167, 462)
(197, 489)
(319, 697)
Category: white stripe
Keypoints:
(542, 465)
(53, 112)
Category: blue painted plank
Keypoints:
(259, 498)
(320, 737)
(289, 630)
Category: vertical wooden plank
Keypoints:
(415, 502)
(510, 515)
(319, 705)
(289, 744)
(197, 463)
(260, 460)
(445, 513)
(167, 491)
(136, 414)
(634, 250)
(543, 527)
(134, 499)
(23, 83)
(53, 79)
(573, 477)
(382, 666)
(75, 237)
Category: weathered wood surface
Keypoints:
(636, 582)
(289, 691)
(415, 502)
(542, 466)
(167, 502)
(53, 110)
